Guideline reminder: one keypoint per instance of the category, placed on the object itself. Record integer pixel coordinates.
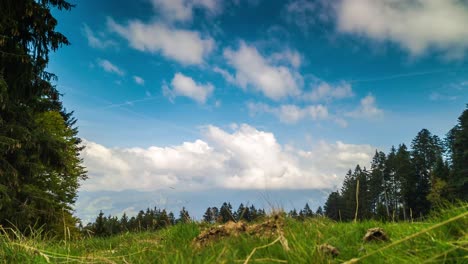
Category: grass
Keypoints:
(442, 238)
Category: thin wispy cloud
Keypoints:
(110, 67)
(138, 80)
(96, 41)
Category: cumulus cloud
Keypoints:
(138, 80)
(415, 25)
(252, 70)
(247, 158)
(95, 41)
(290, 114)
(110, 67)
(185, 86)
(327, 92)
(182, 10)
(367, 109)
(184, 46)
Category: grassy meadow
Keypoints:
(441, 238)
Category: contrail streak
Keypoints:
(406, 75)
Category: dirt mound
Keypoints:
(375, 234)
(270, 227)
(328, 249)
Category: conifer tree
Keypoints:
(40, 167)
(426, 149)
(457, 141)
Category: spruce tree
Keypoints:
(426, 149)
(457, 140)
(40, 167)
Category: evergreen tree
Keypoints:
(333, 206)
(243, 213)
(124, 222)
(208, 216)
(163, 219)
(293, 214)
(184, 216)
(439, 193)
(99, 227)
(348, 192)
(392, 185)
(319, 211)
(457, 140)
(171, 218)
(405, 171)
(376, 179)
(225, 213)
(40, 167)
(426, 149)
(306, 212)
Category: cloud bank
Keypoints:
(246, 158)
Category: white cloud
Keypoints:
(226, 75)
(182, 10)
(367, 109)
(184, 46)
(94, 41)
(325, 91)
(255, 71)
(185, 86)
(288, 56)
(416, 25)
(290, 114)
(110, 67)
(305, 13)
(244, 159)
(138, 80)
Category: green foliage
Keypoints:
(440, 239)
(406, 184)
(457, 141)
(40, 168)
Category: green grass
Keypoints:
(443, 238)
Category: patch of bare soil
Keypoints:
(270, 227)
(375, 234)
(328, 249)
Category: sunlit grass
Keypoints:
(442, 238)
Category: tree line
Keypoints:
(406, 183)
(156, 218)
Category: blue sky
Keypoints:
(177, 98)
